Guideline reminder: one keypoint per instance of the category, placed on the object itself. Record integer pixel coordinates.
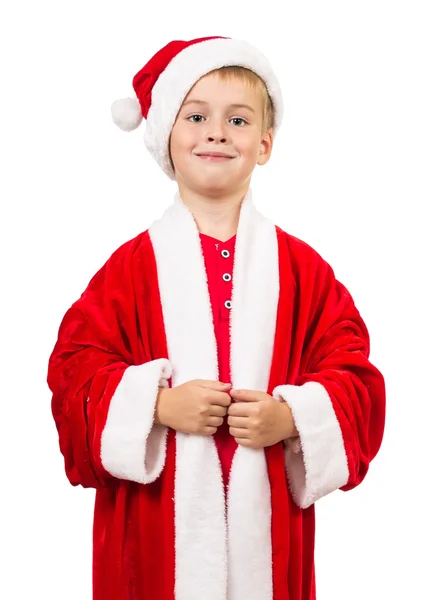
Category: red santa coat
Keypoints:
(163, 529)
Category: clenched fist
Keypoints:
(257, 420)
(197, 406)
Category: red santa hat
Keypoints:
(163, 83)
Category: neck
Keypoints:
(216, 216)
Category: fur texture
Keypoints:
(126, 113)
(203, 534)
(132, 446)
(321, 467)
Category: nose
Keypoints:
(216, 133)
(218, 138)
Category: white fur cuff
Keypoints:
(132, 446)
(321, 467)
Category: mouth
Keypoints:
(215, 157)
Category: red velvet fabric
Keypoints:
(144, 81)
(118, 322)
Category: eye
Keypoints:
(239, 119)
(193, 120)
(199, 116)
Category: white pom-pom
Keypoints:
(126, 113)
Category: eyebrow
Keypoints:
(230, 106)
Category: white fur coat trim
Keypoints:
(204, 530)
(132, 446)
(322, 466)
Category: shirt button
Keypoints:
(225, 253)
(228, 304)
(227, 277)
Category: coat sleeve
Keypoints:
(338, 399)
(102, 404)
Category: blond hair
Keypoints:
(250, 78)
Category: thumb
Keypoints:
(247, 395)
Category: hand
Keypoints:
(257, 420)
(196, 406)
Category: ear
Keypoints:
(266, 147)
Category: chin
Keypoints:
(213, 180)
(210, 188)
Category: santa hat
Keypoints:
(163, 83)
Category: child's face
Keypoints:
(215, 124)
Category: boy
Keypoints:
(211, 401)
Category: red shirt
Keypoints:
(219, 262)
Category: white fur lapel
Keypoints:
(219, 555)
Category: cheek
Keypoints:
(180, 151)
(248, 146)
(181, 139)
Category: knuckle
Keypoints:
(200, 423)
(203, 410)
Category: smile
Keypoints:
(215, 158)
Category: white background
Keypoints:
(356, 173)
